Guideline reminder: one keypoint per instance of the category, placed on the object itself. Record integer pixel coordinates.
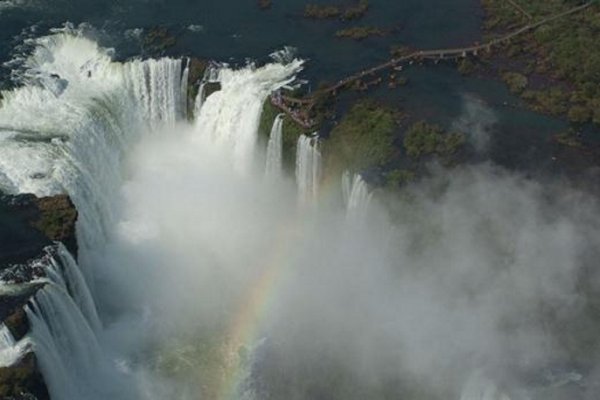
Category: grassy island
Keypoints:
(359, 32)
(331, 11)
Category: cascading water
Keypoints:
(308, 168)
(82, 113)
(11, 350)
(69, 355)
(356, 195)
(342, 308)
(6, 338)
(199, 99)
(65, 273)
(274, 148)
(229, 118)
(184, 88)
(69, 128)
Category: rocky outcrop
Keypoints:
(196, 69)
(27, 226)
(55, 219)
(196, 72)
(23, 381)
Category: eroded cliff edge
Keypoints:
(28, 225)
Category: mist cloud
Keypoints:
(475, 272)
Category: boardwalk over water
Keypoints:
(290, 105)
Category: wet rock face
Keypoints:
(56, 219)
(23, 381)
(19, 240)
(27, 226)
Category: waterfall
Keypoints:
(308, 168)
(229, 118)
(68, 352)
(212, 72)
(6, 338)
(82, 113)
(184, 89)
(11, 351)
(356, 195)
(65, 273)
(199, 99)
(274, 147)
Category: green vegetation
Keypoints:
(423, 139)
(553, 101)
(359, 32)
(22, 380)
(398, 177)
(357, 11)
(466, 66)
(363, 138)
(516, 82)
(317, 11)
(566, 51)
(569, 139)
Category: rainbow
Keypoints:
(243, 331)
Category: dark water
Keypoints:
(236, 31)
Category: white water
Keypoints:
(11, 351)
(274, 147)
(190, 235)
(184, 88)
(308, 169)
(357, 195)
(199, 99)
(82, 113)
(229, 118)
(65, 273)
(6, 338)
(72, 362)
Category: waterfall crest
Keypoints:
(82, 113)
(274, 148)
(308, 168)
(229, 118)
